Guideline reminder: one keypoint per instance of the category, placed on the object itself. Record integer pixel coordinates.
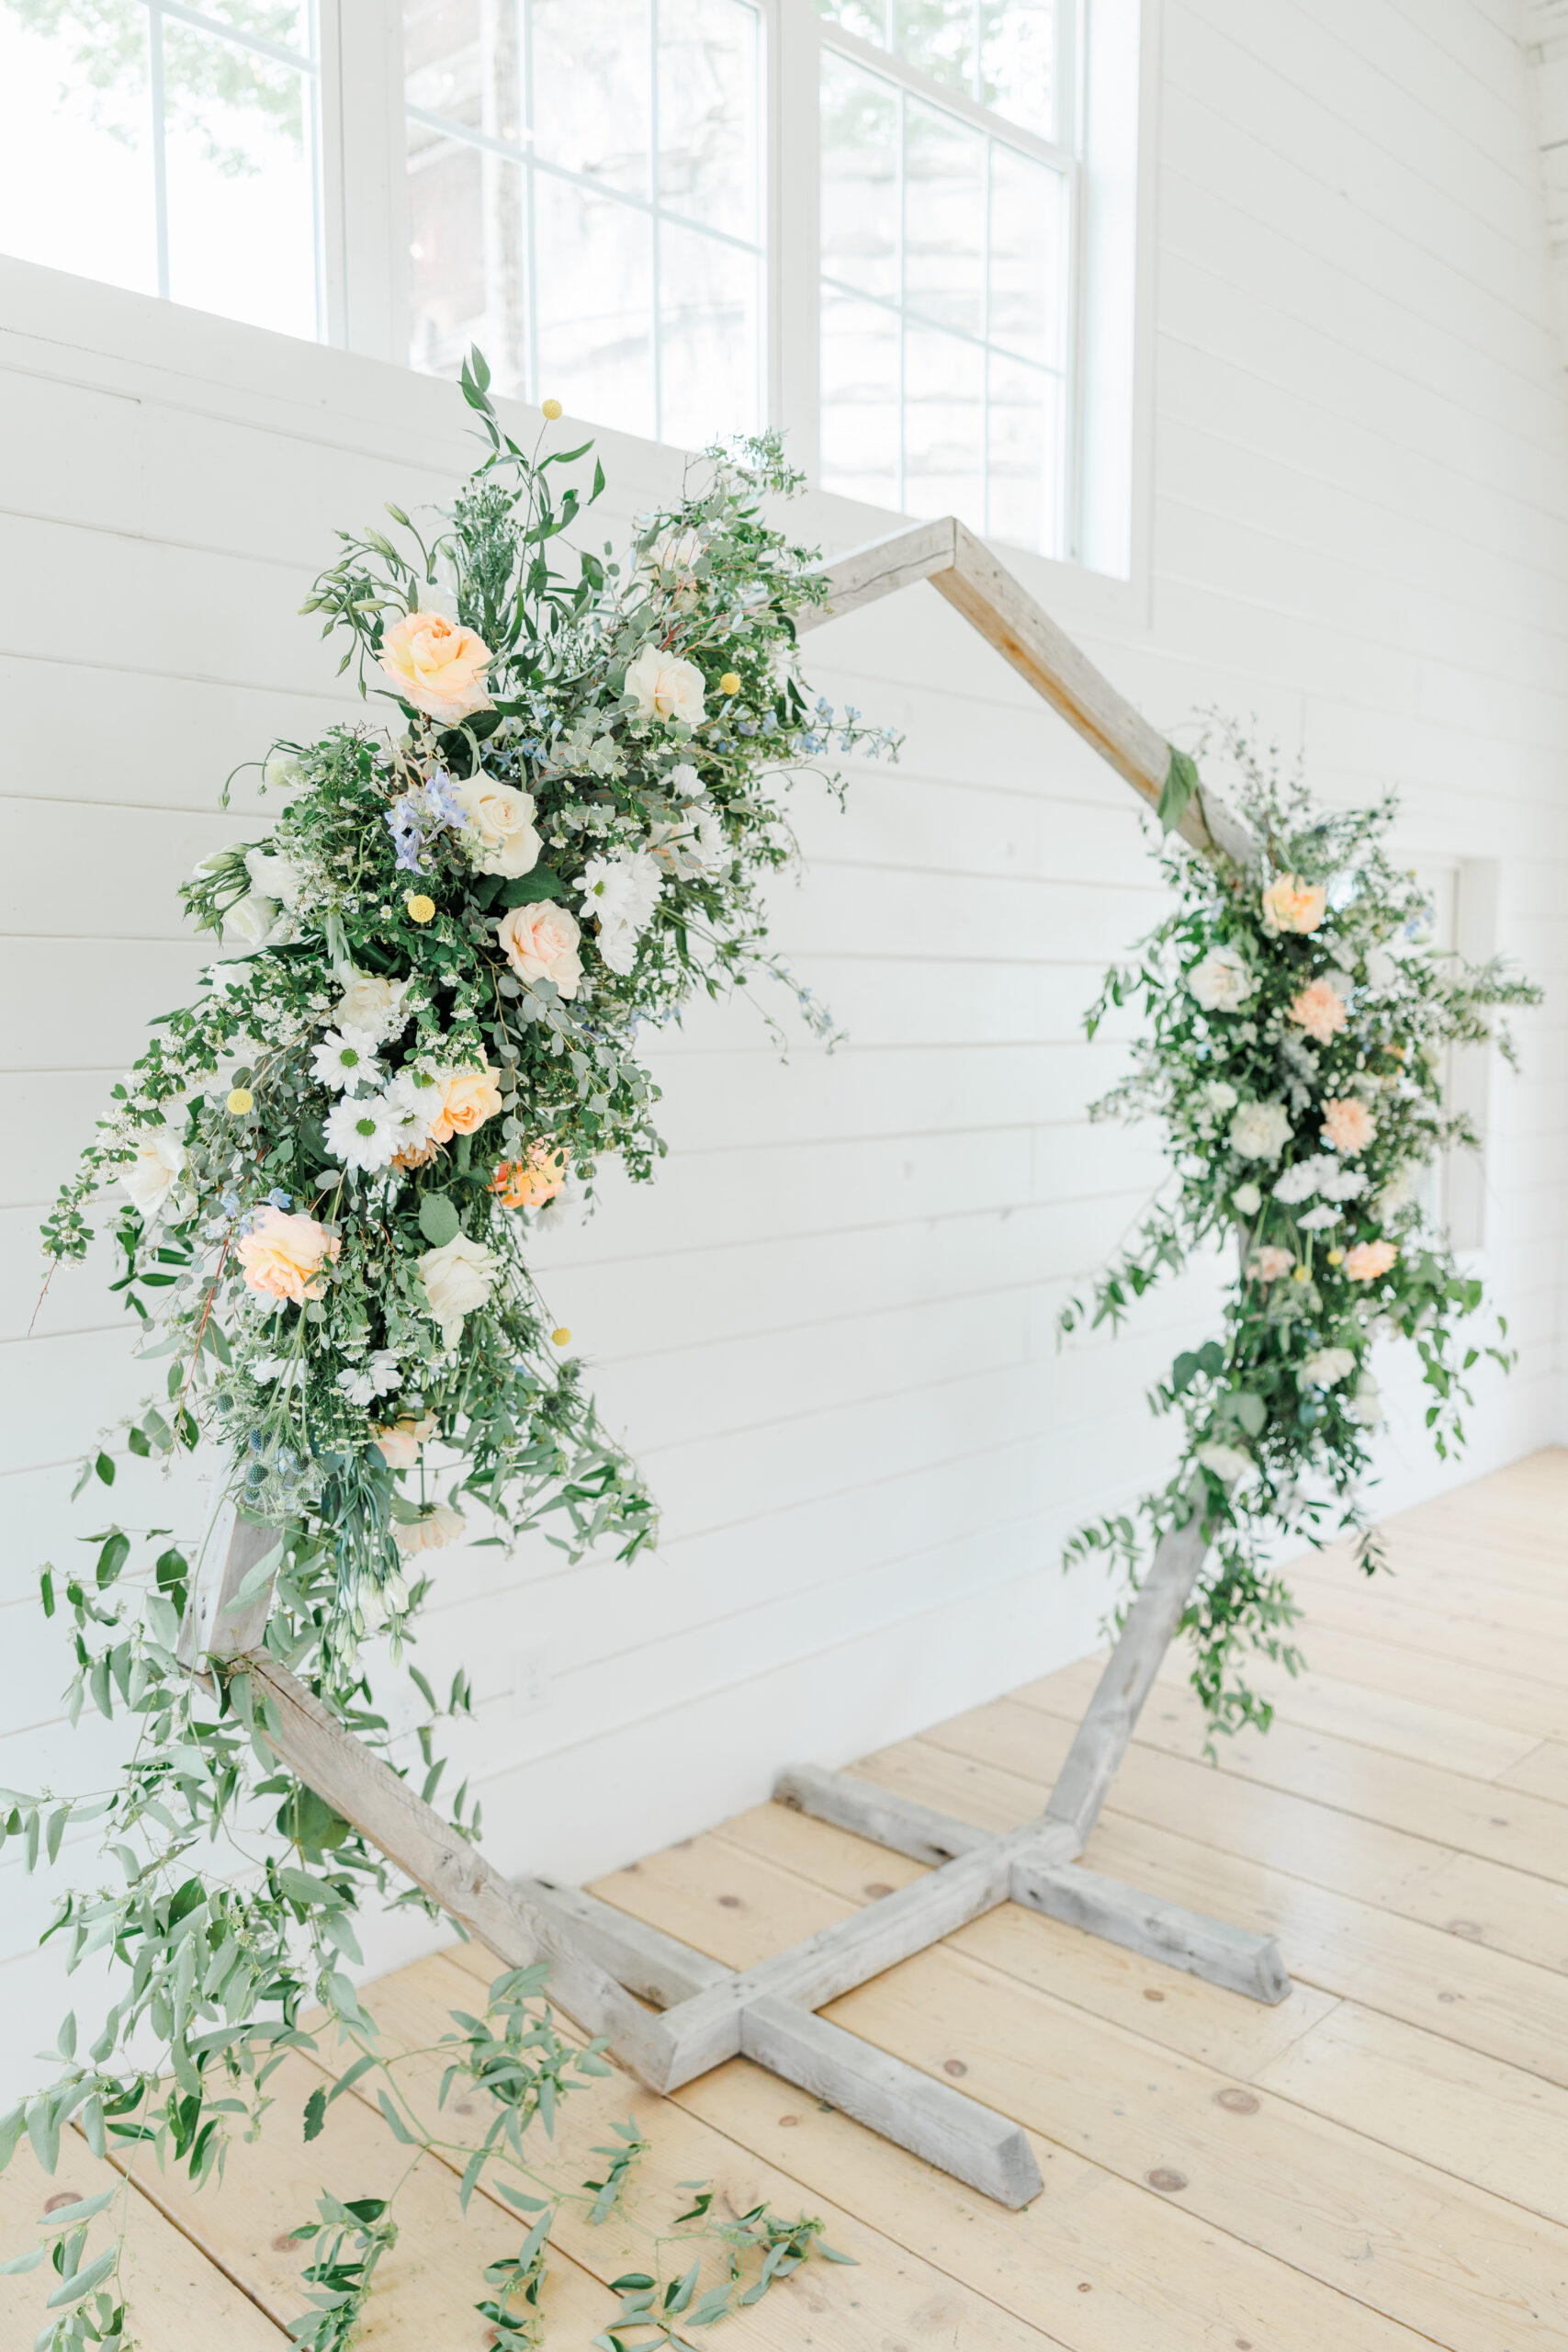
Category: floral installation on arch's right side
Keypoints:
(1300, 1021)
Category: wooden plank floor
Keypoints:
(1380, 2163)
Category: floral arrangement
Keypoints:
(1299, 1022)
(419, 1030)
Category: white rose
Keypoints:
(1259, 1131)
(1226, 1462)
(1247, 1199)
(274, 877)
(1398, 1192)
(502, 822)
(1220, 1095)
(372, 1008)
(253, 922)
(666, 686)
(1221, 982)
(457, 1277)
(1326, 1368)
(149, 1178)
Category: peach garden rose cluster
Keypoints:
(1299, 1022)
(422, 1024)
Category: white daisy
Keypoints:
(363, 1131)
(346, 1057)
(362, 1387)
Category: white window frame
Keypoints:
(798, 36)
(1108, 67)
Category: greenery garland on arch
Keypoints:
(1299, 1021)
(421, 1029)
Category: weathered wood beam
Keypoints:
(216, 1623)
(1024, 633)
(1231, 1956)
(1102, 1738)
(706, 2031)
(427, 1850)
(990, 2151)
(881, 1815)
(932, 2120)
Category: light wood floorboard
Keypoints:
(1379, 2163)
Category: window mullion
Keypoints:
(160, 159)
(365, 176)
(657, 322)
(793, 229)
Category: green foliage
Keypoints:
(362, 950)
(1293, 1055)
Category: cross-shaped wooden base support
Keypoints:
(604, 1965)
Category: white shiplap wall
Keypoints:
(827, 1330)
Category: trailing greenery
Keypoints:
(418, 1032)
(1299, 1021)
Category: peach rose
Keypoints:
(540, 942)
(529, 1183)
(439, 1526)
(1270, 1266)
(1291, 904)
(438, 666)
(1348, 1124)
(468, 1097)
(281, 1252)
(1369, 1260)
(399, 1445)
(1321, 1010)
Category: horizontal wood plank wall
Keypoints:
(828, 1327)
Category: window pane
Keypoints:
(466, 259)
(937, 37)
(464, 60)
(1018, 62)
(709, 341)
(1024, 468)
(708, 148)
(594, 258)
(860, 178)
(591, 88)
(287, 21)
(241, 192)
(944, 396)
(76, 145)
(1028, 212)
(944, 218)
(860, 399)
(866, 17)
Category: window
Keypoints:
(165, 148)
(945, 215)
(585, 202)
(903, 231)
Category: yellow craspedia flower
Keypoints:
(1337, 1257)
(560, 1337)
(1300, 1275)
(550, 409)
(419, 908)
(240, 1101)
(730, 682)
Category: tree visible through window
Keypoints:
(171, 150)
(944, 245)
(585, 199)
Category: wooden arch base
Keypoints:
(606, 1966)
